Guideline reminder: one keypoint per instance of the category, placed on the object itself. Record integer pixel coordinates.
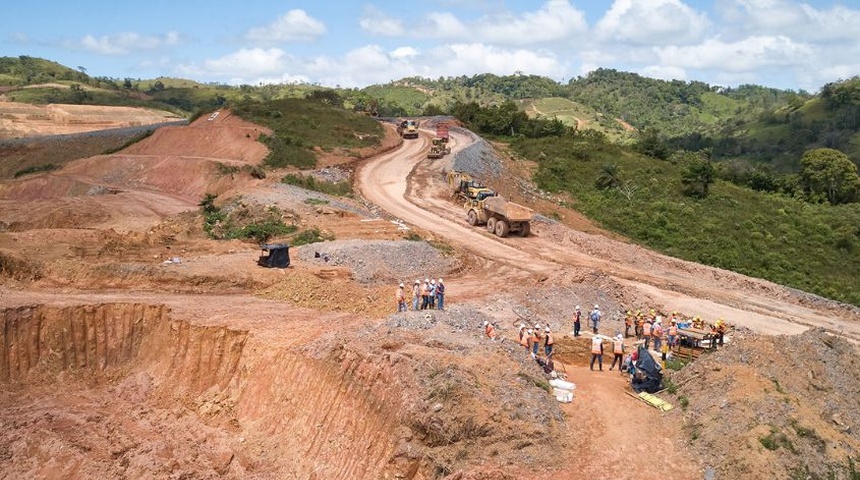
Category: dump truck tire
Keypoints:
(526, 229)
(491, 224)
(472, 218)
(502, 228)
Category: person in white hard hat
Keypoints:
(432, 293)
(595, 317)
(416, 294)
(425, 292)
(400, 298)
(577, 321)
(618, 351)
(548, 343)
(440, 295)
(490, 330)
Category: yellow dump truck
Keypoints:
(500, 216)
(408, 129)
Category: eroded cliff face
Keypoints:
(123, 390)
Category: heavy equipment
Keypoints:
(408, 129)
(438, 149)
(500, 216)
(484, 206)
(442, 132)
(466, 188)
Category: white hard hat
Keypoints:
(401, 284)
(522, 325)
(486, 323)
(595, 306)
(417, 281)
(440, 280)
(537, 327)
(577, 307)
(547, 329)
(433, 282)
(426, 280)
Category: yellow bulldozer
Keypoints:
(408, 129)
(438, 149)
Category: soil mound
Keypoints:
(764, 407)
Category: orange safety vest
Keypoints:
(673, 330)
(524, 339)
(491, 332)
(657, 330)
(646, 329)
(597, 348)
(399, 294)
(618, 346)
(549, 340)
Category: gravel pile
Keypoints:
(287, 196)
(380, 261)
(478, 159)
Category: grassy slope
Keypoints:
(811, 247)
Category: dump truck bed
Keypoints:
(512, 211)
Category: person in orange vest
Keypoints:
(425, 294)
(526, 339)
(628, 322)
(646, 332)
(577, 321)
(657, 333)
(548, 343)
(400, 298)
(416, 294)
(618, 351)
(640, 321)
(490, 330)
(535, 341)
(596, 352)
(673, 334)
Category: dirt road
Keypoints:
(759, 305)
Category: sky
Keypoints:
(786, 44)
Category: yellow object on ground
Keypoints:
(655, 401)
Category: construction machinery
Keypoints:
(438, 149)
(466, 188)
(408, 129)
(484, 206)
(442, 132)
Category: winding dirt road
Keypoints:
(389, 181)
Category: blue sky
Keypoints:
(777, 43)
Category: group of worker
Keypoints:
(429, 295)
(531, 339)
(650, 328)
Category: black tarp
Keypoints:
(275, 255)
(648, 376)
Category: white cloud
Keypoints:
(245, 63)
(557, 20)
(404, 52)
(664, 72)
(800, 21)
(652, 22)
(749, 54)
(295, 25)
(123, 43)
(376, 22)
(441, 25)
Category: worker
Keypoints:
(618, 351)
(640, 321)
(595, 317)
(490, 330)
(664, 355)
(577, 319)
(416, 294)
(721, 331)
(673, 334)
(431, 293)
(548, 343)
(440, 295)
(525, 338)
(425, 291)
(400, 298)
(596, 352)
(628, 322)
(646, 332)
(657, 332)
(534, 341)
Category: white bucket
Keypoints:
(563, 396)
(559, 383)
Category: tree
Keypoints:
(830, 175)
(697, 174)
(609, 177)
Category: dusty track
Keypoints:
(692, 288)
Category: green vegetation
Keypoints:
(312, 235)
(675, 364)
(339, 189)
(46, 167)
(538, 382)
(776, 439)
(241, 222)
(813, 247)
(300, 126)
